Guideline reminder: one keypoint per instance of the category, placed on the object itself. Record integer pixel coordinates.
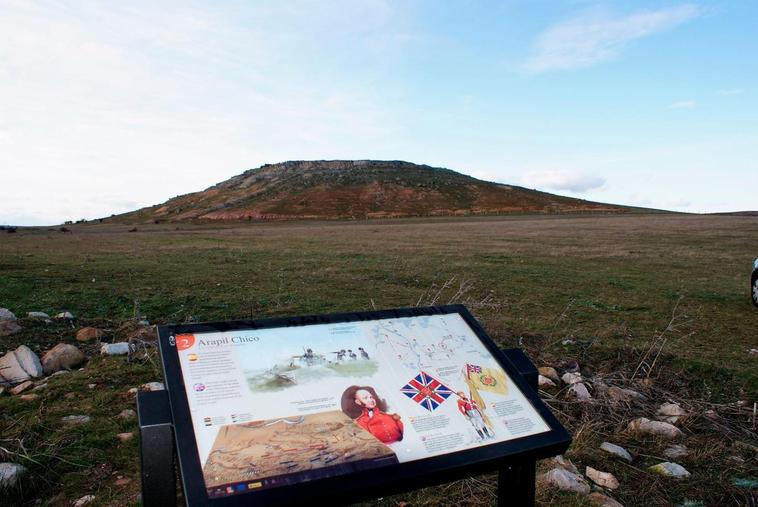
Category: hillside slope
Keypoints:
(356, 189)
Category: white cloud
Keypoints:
(592, 38)
(562, 179)
(112, 106)
(730, 91)
(683, 104)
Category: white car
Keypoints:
(754, 283)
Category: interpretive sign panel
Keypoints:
(263, 408)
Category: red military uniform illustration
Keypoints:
(385, 427)
(369, 411)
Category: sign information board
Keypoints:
(277, 406)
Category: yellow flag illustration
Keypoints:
(487, 379)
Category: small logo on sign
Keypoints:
(184, 341)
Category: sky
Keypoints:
(106, 107)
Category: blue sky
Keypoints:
(106, 107)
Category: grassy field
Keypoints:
(608, 283)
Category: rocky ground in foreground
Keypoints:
(641, 435)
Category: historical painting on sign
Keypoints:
(276, 406)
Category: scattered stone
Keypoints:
(6, 314)
(565, 463)
(571, 378)
(153, 386)
(127, 413)
(616, 450)
(37, 315)
(753, 352)
(133, 390)
(545, 382)
(91, 386)
(28, 397)
(19, 365)
(86, 499)
(603, 479)
(568, 341)
(125, 436)
(645, 426)
(676, 451)
(86, 334)
(625, 395)
(563, 479)
(9, 327)
(600, 500)
(670, 413)
(62, 357)
(40, 387)
(65, 316)
(670, 469)
(70, 395)
(122, 481)
(76, 419)
(115, 349)
(579, 391)
(10, 475)
(61, 372)
(549, 372)
(23, 386)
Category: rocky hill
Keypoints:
(356, 189)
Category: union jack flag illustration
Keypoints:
(472, 368)
(427, 391)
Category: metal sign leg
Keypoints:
(516, 483)
(156, 449)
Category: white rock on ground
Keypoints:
(670, 469)
(10, 475)
(20, 365)
(670, 413)
(621, 394)
(153, 386)
(571, 378)
(600, 500)
(65, 315)
(133, 390)
(579, 391)
(676, 451)
(127, 413)
(37, 315)
(564, 462)
(645, 426)
(86, 499)
(604, 479)
(545, 382)
(63, 356)
(616, 450)
(6, 314)
(23, 386)
(549, 372)
(76, 419)
(115, 349)
(563, 479)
